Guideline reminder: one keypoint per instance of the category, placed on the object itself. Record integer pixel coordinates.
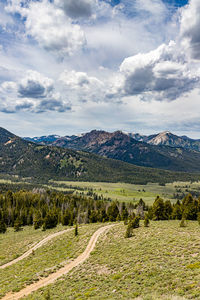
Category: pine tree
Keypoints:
(129, 231)
(2, 226)
(177, 213)
(51, 220)
(113, 212)
(198, 218)
(66, 218)
(37, 221)
(17, 225)
(190, 207)
(76, 230)
(168, 209)
(183, 223)
(158, 209)
(124, 214)
(135, 223)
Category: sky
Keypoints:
(70, 66)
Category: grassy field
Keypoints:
(120, 191)
(129, 192)
(44, 260)
(159, 262)
(13, 244)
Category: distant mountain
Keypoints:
(124, 147)
(138, 137)
(43, 140)
(51, 139)
(27, 159)
(167, 138)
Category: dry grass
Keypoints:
(13, 244)
(46, 259)
(159, 262)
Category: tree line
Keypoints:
(46, 209)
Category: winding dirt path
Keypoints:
(64, 270)
(38, 245)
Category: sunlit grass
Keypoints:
(159, 262)
(46, 259)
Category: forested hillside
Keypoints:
(162, 151)
(26, 159)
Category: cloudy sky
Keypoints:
(69, 66)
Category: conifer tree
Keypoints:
(76, 230)
(158, 209)
(113, 212)
(168, 209)
(146, 221)
(177, 212)
(183, 222)
(2, 226)
(198, 218)
(135, 223)
(17, 225)
(37, 220)
(129, 231)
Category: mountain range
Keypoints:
(164, 150)
(165, 138)
(27, 159)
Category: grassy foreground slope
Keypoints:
(13, 244)
(26, 159)
(158, 262)
(45, 260)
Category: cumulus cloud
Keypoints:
(164, 71)
(82, 86)
(76, 9)
(190, 27)
(33, 93)
(76, 80)
(53, 105)
(49, 26)
(35, 85)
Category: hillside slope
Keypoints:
(26, 159)
(120, 146)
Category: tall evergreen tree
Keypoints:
(158, 209)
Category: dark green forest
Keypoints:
(45, 209)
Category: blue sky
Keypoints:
(71, 66)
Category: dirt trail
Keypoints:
(54, 276)
(38, 245)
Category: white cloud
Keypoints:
(165, 72)
(35, 85)
(9, 86)
(49, 26)
(33, 93)
(190, 27)
(96, 38)
(82, 87)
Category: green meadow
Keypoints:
(129, 192)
